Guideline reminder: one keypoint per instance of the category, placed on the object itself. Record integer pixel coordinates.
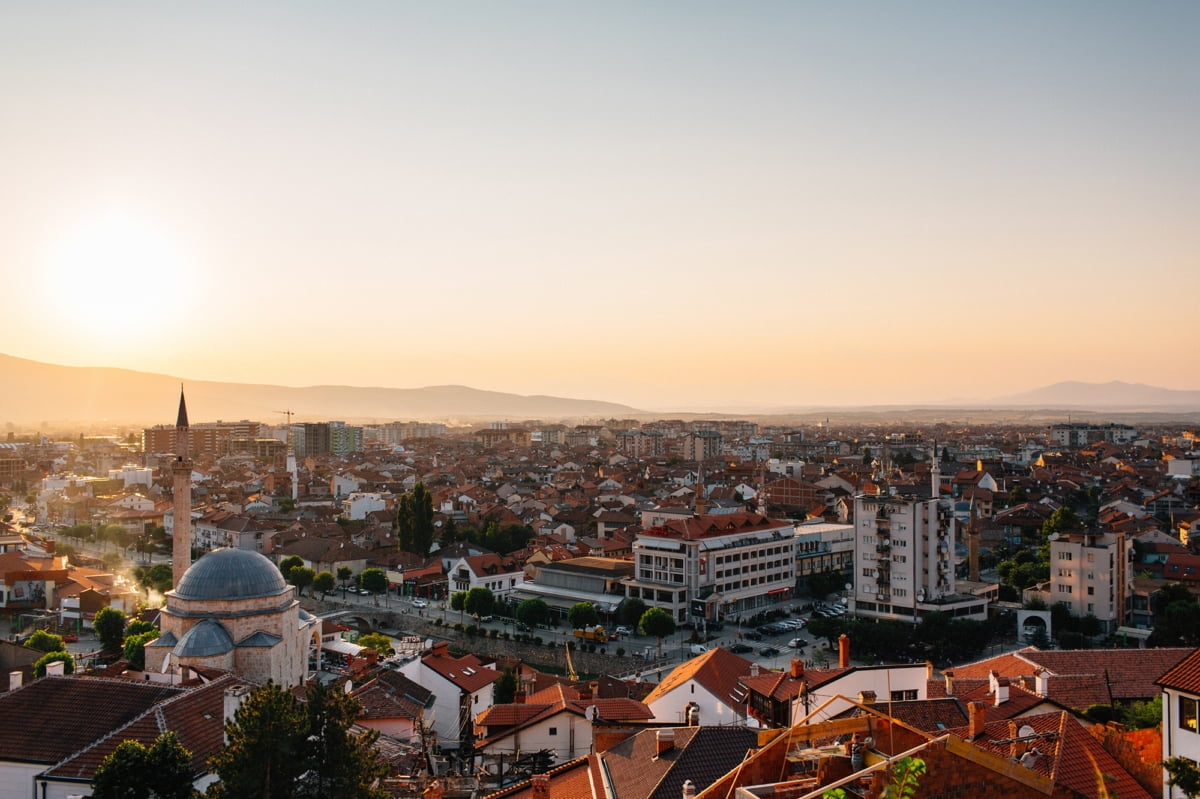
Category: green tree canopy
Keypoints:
(506, 687)
(657, 622)
(134, 771)
(301, 577)
(264, 743)
(533, 612)
(1060, 521)
(44, 641)
(582, 614)
(480, 601)
(374, 580)
(289, 563)
(1183, 774)
(323, 582)
(630, 610)
(39, 668)
(377, 641)
(134, 649)
(338, 763)
(155, 578)
(414, 520)
(137, 627)
(458, 601)
(344, 573)
(109, 625)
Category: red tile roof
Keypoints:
(1185, 676)
(718, 670)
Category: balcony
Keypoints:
(884, 548)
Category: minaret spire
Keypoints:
(181, 537)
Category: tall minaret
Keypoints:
(181, 543)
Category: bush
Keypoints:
(620, 651)
(537, 640)
(39, 668)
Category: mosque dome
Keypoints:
(230, 574)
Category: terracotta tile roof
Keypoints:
(575, 779)
(511, 715)
(62, 729)
(391, 695)
(467, 672)
(1068, 754)
(1185, 675)
(699, 754)
(196, 716)
(718, 670)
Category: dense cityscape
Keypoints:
(531, 608)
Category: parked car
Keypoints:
(420, 603)
(623, 630)
(797, 643)
(768, 651)
(741, 649)
(753, 635)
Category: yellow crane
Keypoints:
(571, 675)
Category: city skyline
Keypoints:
(666, 206)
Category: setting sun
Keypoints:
(112, 276)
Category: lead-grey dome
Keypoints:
(230, 574)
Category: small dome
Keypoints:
(230, 574)
(206, 639)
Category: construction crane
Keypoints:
(289, 413)
(571, 675)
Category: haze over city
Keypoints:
(669, 205)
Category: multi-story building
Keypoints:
(309, 438)
(822, 547)
(702, 445)
(1079, 434)
(344, 438)
(714, 566)
(206, 439)
(904, 560)
(641, 443)
(1090, 574)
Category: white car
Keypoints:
(623, 630)
(797, 643)
(420, 603)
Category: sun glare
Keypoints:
(113, 276)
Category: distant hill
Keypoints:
(1114, 394)
(32, 392)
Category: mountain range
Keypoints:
(41, 394)
(36, 393)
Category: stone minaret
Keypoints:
(181, 542)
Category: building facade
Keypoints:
(1090, 573)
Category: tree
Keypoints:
(533, 612)
(582, 614)
(323, 582)
(264, 744)
(344, 573)
(39, 668)
(44, 641)
(630, 610)
(135, 648)
(377, 641)
(1183, 774)
(109, 625)
(156, 578)
(657, 622)
(339, 764)
(133, 771)
(137, 627)
(289, 563)
(374, 580)
(414, 520)
(1061, 520)
(301, 577)
(506, 687)
(480, 601)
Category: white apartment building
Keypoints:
(1089, 572)
(904, 560)
(715, 566)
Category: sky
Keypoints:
(673, 205)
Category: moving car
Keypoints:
(698, 649)
(797, 643)
(768, 651)
(741, 649)
(420, 603)
(623, 630)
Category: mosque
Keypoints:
(231, 609)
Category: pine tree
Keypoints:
(264, 742)
(414, 520)
(340, 764)
(134, 771)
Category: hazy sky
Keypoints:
(671, 205)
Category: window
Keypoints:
(554, 730)
(1187, 713)
(904, 696)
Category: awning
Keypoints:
(341, 647)
(779, 590)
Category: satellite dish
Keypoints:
(1026, 731)
(848, 586)
(920, 596)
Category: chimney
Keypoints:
(689, 789)
(14, 680)
(928, 670)
(55, 668)
(843, 651)
(1041, 682)
(866, 697)
(948, 676)
(754, 669)
(440, 649)
(976, 719)
(540, 783)
(664, 740)
(797, 669)
(234, 696)
(997, 688)
(1013, 747)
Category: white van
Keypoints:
(698, 649)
